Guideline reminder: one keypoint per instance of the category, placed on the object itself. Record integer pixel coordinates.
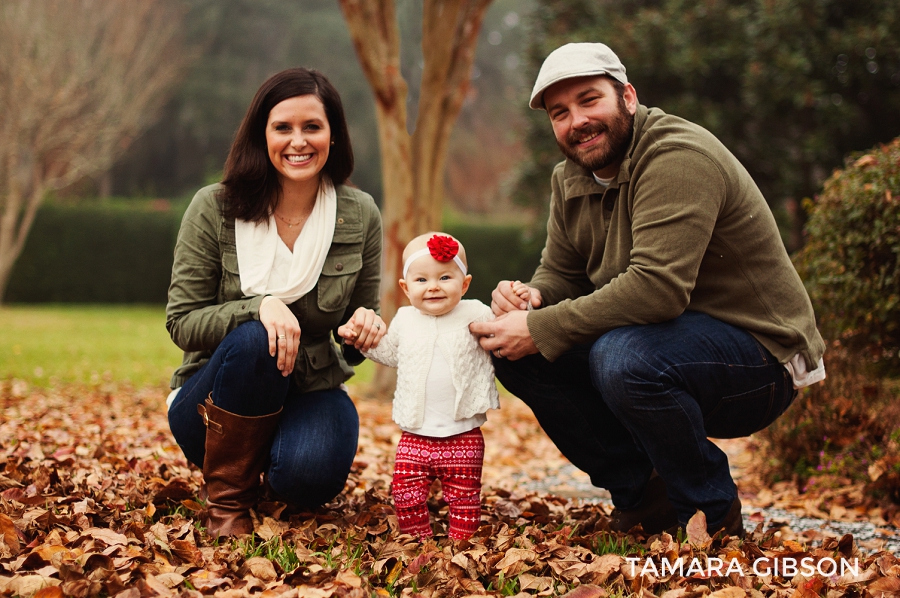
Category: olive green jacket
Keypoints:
(683, 227)
(206, 303)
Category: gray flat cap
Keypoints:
(575, 60)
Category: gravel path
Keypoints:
(571, 483)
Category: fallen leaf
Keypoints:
(49, 592)
(170, 580)
(885, 585)
(28, 585)
(697, 534)
(587, 591)
(9, 535)
(515, 555)
(107, 536)
(260, 568)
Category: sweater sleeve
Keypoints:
(676, 200)
(561, 272)
(388, 350)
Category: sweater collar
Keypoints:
(578, 181)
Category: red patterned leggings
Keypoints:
(456, 461)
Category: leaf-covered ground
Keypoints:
(96, 500)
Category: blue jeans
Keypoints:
(316, 439)
(648, 397)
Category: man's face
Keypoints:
(592, 123)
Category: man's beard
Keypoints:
(609, 151)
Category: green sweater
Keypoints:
(206, 302)
(683, 227)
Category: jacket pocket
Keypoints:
(231, 278)
(316, 368)
(339, 274)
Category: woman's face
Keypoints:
(298, 139)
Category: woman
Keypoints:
(268, 264)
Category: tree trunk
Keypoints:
(20, 205)
(412, 167)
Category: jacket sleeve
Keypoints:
(676, 201)
(195, 319)
(561, 273)
(367, 289)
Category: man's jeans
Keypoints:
(647, 397)
(316, 439)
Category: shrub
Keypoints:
(111, 252)
(497, 252)
(850, 261)
(837, 428)
(848, 428)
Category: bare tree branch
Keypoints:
(80, 80)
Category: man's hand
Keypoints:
(507, 336)
(507, 297)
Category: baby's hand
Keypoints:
(348, 332)
(522, 291)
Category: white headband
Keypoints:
(426, 251)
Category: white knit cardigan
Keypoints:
(409, 346)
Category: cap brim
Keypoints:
(537, 96)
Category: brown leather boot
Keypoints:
(236, 450)
(654, 513)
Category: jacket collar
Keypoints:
(578, 181)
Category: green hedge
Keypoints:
(497, 252)
(97, 254)
(122, 253)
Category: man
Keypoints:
(666, 309)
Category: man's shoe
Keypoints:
(733, 524)
(655, 514)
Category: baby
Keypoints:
(445, 384)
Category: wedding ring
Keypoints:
(377, 325)
(498, 353)
(281, 337)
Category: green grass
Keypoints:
(89, 344)
(86, 344)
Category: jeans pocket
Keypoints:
(742, 414)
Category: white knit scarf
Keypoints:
(257, 242)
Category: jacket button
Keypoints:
(339, 267)
(609, 204)
(313, 360)
(340, 220)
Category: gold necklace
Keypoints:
(288, 222)
(303, 217)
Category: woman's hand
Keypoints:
(284, 332)
(364, 330)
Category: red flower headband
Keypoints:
(442, 248)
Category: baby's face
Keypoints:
(433, 287)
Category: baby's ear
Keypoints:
(466, 282)
(404, 287)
